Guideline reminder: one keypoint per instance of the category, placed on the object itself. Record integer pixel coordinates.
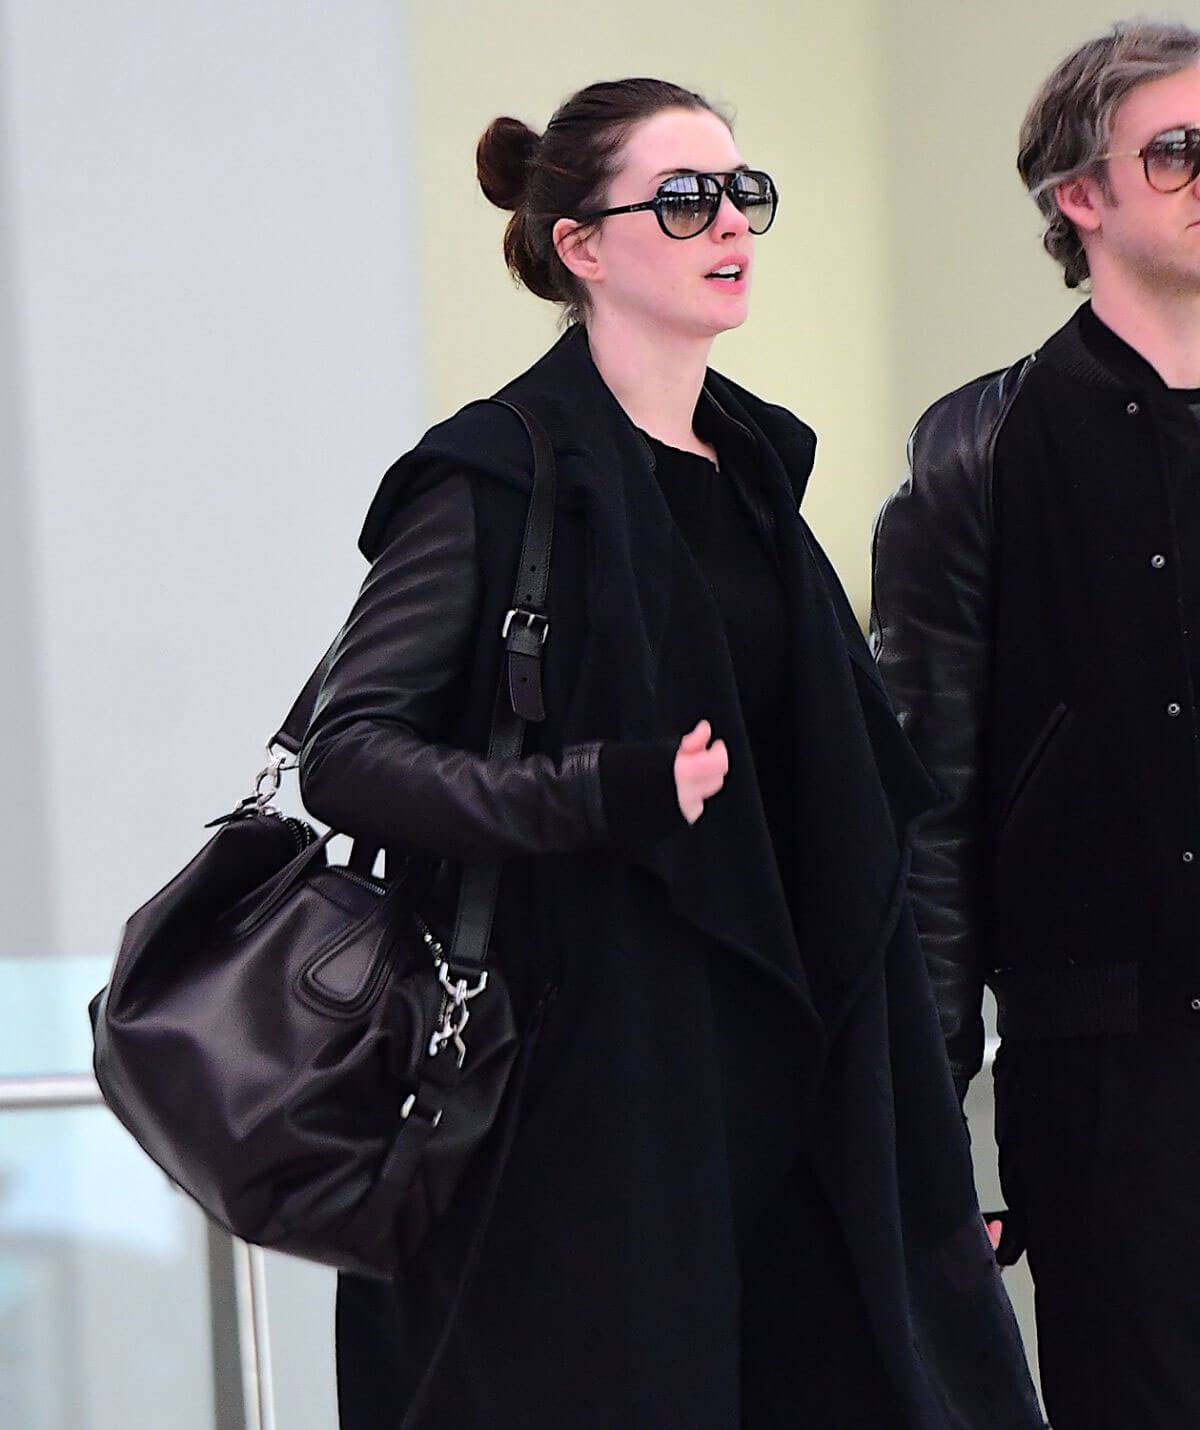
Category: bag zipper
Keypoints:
(303, 833)
(361, 880)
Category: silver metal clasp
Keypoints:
(455, 1015)
(267, 781)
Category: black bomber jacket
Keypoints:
(1029, 620)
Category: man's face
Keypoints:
(1150, 237)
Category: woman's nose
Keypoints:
(730, 221)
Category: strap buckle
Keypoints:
(411, 1105)
(534, 620)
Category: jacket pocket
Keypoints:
(1047, 737)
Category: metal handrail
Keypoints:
(49, 1090)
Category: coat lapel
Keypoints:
(655, 660)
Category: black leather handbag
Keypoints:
(288, 1039)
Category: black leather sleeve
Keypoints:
(931, 631)
(373, 764)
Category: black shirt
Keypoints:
(743, 576)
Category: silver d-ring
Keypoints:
(266, 784)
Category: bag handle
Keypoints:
(518, 695)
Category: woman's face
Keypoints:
(647, 277)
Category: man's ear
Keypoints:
(1079, 200)
(576, 244)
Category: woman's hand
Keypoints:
(700, 770)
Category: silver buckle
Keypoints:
(531, 619)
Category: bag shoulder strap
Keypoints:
(526, 625)
(518, 692)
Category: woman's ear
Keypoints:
(577, 244)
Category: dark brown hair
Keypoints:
(1069, 125)
(564, 172)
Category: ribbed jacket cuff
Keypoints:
(637, 780)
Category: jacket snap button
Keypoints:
(1158, 562)
(1174, 708)
(1133, 409)
(1188, 856)
(1196, 1005)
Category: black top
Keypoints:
(743, 577)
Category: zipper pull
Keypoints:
(244, 809)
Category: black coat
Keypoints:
(1030, 606)
(695, 1046)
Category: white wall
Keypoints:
(215, 355)
(208, 354)
(970, 288)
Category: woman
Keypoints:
(738, 1193)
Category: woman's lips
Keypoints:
(732, 274)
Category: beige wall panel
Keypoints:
(800, 78)
(971, 287)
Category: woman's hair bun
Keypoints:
(502, 161)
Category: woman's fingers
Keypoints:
(709, 768)
(700, 770)
(697, 738)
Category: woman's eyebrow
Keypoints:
(672, 173)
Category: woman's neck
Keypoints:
(656, 378)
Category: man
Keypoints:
(1037, 620)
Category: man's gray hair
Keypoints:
(1068, 127)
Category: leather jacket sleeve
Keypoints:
(931, 631)
(373, 765)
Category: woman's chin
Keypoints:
(732, 318)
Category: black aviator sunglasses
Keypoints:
(1171, 160)
(686, 204)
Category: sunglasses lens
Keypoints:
(687, 203)
(1173, 159)
(754, 194)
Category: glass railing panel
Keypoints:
(43, 1013)
(104, 1320)
(121, 1306)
